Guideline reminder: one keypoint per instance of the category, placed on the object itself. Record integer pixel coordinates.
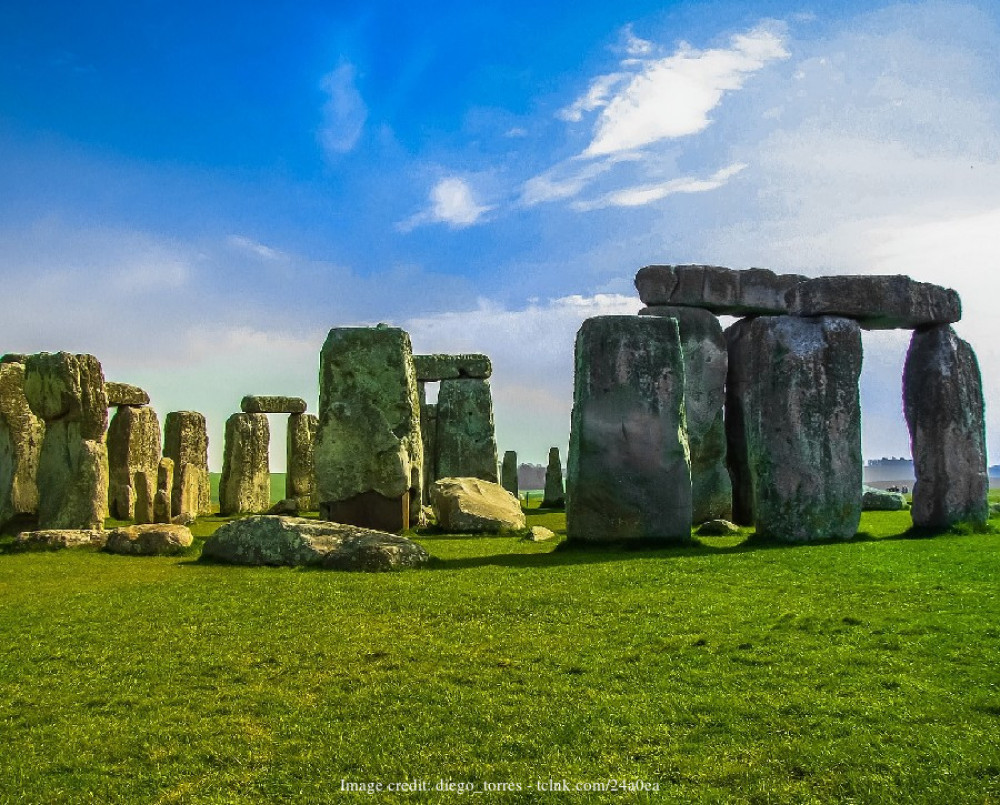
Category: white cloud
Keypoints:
(452, 202)
(251, 246)
(596, 97)
(646, 194)
(344, 113)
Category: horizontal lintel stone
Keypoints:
(272, 405)
(432, 368)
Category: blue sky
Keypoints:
(197, 193)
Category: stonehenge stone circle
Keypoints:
(369, 450)
(185, 442)
(67, 391)
(803, 427)
(245, 486)
(133, 447)
(555, 494)
(21, 435)
(432, 368)
(629, 471)
(466, 439)
(125, 394)
(272, 405)
(943, 402)
(508, 472)
(705, 365)
(300, 473)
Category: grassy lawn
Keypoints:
(866, 671)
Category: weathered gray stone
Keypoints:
(185, 441)
(21, 434)
(258, 404)
(738, 378)
(54, 539)
(876, 302)
(705, 366)
(67, 391)
(162, 512)
(539, 533)
(943, 401)
(629, 471)
(245, 486)
(14, 357)
(144, 489)
(464, 505)
(125, 394)
(286, 507)
(369, 451)
(149, 540)
(718, 528)
(133, 445)
(266, 540)
(753, 291)
(873, 499)
(300, 461)
(428, 437)
(804, 427)
(432, 368)
(555, 494)
(466, 440)
(508, 472)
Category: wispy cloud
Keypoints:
(452, 202)
(245, 244)
(344, 113)
(646, 194)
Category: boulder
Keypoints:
(555, 493)
(508, 472)
(288, 507)
(245, 485)
(256, 404)
(705, 366)
(873, 500)
(21, 435)
(629, 470)
(943, 402)
(133, 445)
(300, 461)
(804, 427)
(466, 440)
(54, 539)
(433, 368)
(125, 394)
(738, 376)
(295, 541)
(876, 302)
(369, 450)
(185, 442)
(718, 528)
(539, 533)
(468, 505)
(754, 291)
(160, 539)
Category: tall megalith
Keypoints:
(555, 494)
(738, 374)
(245, 486)
(21, 435)
(300, 461)
(185, 442)
(368, 450)
(133, 447)
(943, 402)
(466, 439)
(67, 391)
(803, 427)
(508, 472)
(629, 470)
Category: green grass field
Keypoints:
(866, 671)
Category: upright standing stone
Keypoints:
(21, 434)
(369, 451)
(738, 377)
(428, 435)
(245, 486)
(67, 391)
(508, 472)
(164, 486)
(555, 496)
(705, 363)
(804, 427)
(300, 473)
(185, 442)
(466, 440)
(629, 473)
(133, 446)
(943, 401)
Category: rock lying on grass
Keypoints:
(873, 500)
(465, 505)
(297, 541)
(159, 539)
(539, 533)
(55, 539)
(718, 528)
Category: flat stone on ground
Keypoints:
(54, 539)
(160, 539)
(466, 505)
(873, 499)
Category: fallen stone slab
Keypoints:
(124, 394)
(257, 404)
(876, 302)
(718, 528)
(160, 539)
(879, 500)
(539, 533)
(54, 539)
(297, 541)
(432, 368)
(750, 292)
(465, 505)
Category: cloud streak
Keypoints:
(452, 202)
(344, 113)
